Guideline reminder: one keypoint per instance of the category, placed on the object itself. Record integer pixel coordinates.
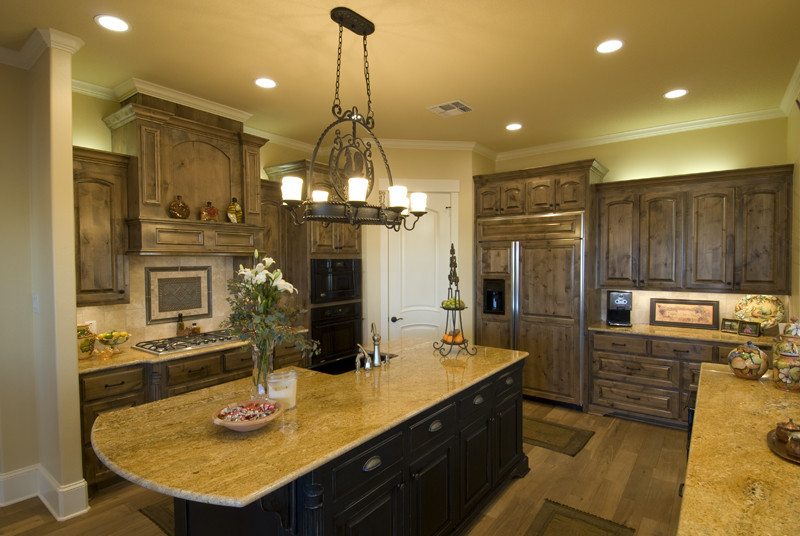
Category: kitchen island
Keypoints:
(735, 485)
(425, 441)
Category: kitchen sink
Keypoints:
(345, 364)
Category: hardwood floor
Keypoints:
(628, 472)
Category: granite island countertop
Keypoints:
(171, 446)
(735, 485)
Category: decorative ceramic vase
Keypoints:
(793, 328)
(235, 214)
(262, 368)
(785, 344)
(209, 212)
(786, 372)
(178, 209)
(748, 361)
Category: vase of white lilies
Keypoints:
(261, 313)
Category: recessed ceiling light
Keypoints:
(612, 45)
(513, 126)
(675, 93)
(265, 82)
(111, 23)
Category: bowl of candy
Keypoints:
(113, 339)
(248, 415)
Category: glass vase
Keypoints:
(262, 368)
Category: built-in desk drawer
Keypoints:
(620, 343)
(633, 398)
(116, 382)
(193, 369)
(643, 370)
(683, 350)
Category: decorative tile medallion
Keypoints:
(173, 290)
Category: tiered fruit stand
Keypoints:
(454, 330)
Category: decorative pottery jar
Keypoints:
(85, 341)
(785, 344)
(178, 209)
(748, 361)
(209, 212)
(793, 328)
(786, 371)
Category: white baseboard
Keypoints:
(63, 501)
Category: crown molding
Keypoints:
(675, 128)
(283, 141)
(93, 90)
(434, 145)
(134, 85)
(40, 40)
(792, 91)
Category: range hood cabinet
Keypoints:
(177, 150)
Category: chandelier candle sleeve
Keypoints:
(418, 202)
(357, 189)
(319, 196)
(397, 196)
(292, 188)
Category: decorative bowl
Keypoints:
(247, 415)
(764, 309)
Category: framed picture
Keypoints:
(752, 329)
(729, 325)
(684, 313)
(179, 289)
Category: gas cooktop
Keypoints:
(195, 341)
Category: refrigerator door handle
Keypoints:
(515, 294)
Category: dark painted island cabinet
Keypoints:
(428, 476)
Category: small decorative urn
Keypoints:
(748, 361)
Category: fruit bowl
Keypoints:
(247, 415)
(113, 339)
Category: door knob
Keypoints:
(395, 319)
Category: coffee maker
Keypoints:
(618, 312)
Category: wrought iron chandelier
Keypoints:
(350, 167)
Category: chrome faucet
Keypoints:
(362, 351)
(376, 347)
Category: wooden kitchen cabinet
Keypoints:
(503, 199)
(556, 193)
(640, 239)
(335, 239)
(99, 193)
(722, 231)
(176, 150)
(182, 375)
(100, 392)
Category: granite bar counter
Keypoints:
(171, 446)
(735, 485)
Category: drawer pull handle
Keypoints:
(195, 371)
(633, 397)
(623, 344)
(633, 366)
(115, 384)
(435, 426)
(478, 400)
(509, 380)
(680, 351)
(372, 464)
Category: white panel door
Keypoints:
(419, 263)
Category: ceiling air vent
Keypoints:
(449, 109)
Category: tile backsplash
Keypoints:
(640, 314)
(132, 317)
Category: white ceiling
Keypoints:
(526, 61)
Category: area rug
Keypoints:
(162, 514)
(555, 519)
(557, 437)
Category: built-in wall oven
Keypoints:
(334, 280)
(338, 330)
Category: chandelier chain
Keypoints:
(370, 115)
(337, 103)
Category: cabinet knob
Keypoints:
(509, 380)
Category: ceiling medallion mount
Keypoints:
(351, 171)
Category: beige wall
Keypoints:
(89, 130)
(793, 155)
(18, 380)
(760, 143)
